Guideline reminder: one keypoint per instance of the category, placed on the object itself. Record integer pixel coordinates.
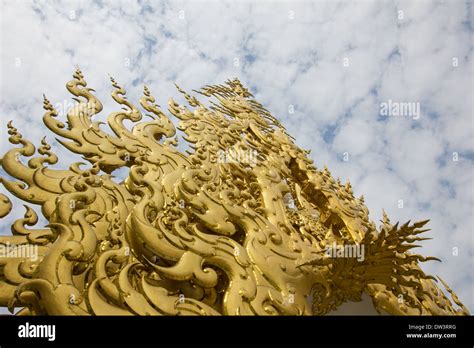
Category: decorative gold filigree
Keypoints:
(196, 234)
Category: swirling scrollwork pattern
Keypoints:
(238, 225)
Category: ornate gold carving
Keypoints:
(197, 234)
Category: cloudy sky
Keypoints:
(380, 91)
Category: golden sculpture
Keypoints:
(241, 225)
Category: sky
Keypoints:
(381, 92)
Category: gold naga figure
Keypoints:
(241, 224)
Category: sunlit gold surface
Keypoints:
(192, 233)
